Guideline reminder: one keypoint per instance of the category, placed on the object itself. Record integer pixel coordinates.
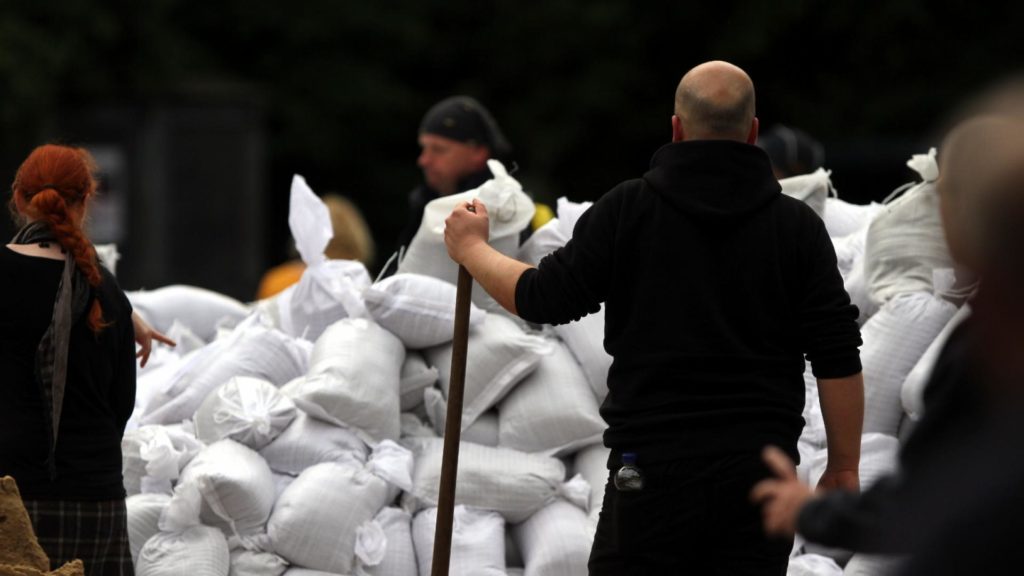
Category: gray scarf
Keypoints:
(52, 354)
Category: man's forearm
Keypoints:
(842, 406)
(496, 273)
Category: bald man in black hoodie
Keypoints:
(716, 287)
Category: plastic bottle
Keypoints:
(629, 478)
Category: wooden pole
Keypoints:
(452, 429)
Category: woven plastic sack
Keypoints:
(555, 541)
(199, 309)
(843, 218)
(237, 488)
(483, 431)
(320, 518)
(153, 457)
(906, 241)
(419, 309)
(308, 442)
(912, 392)
(895, 338)
(255, 563)
(873, 565)
(354, 380)
(534, 417)
(144, 511)
(592, 464)
(417, 375)
(510, 211)
(585, 338)
(554, 234)
(812, 189)
(478, 542)
(248, 410)
(398, 554)
(501, 356)
(813, 565)
(512, 483)
(251, 349)
(195, 551)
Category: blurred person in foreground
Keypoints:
(715, 286)
(977, 375)
(351, 241)
(68, 364)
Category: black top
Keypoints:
(715, 286)
(99, 394)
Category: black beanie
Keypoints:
(463, 119)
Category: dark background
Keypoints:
(199, 112)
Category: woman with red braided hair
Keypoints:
(67, 367)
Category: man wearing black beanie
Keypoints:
(457, 136)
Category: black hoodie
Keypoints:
(715, 285)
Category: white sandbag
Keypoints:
(512, 483)
(554, 234)
(478, 542)
(255, 563)
(237, 488)
(585, 338)
(895, 338)
(398, 557)
(850, 251)
(542, 242)
(419, 309)
(319, 518)
(813, 565)
(151, 383)
(328, 290)
(553, 410)
(153, 456)
(856, 287)
(248, 410)
(483, 431)
(308, 442)
(555, 541)
(814, 422)
(196, 551)
(592, 464)
(296, 571)
(199, 309)
(324, 294)
(144, 511)
(414, 427)
(906, 240)
(501, 354)
(251, 349)
(108, 255)
(912, 392)
(354, 379)
(812, 189)
(510, 211)
(843, 218)
(281, 482)
(873, 565)
(416, 376)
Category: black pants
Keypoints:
(693, 516)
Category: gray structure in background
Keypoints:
(184, 190)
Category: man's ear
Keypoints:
(677, 129)
(752, 136)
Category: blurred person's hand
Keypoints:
(144, 337)
(781, 498)
(466, 227)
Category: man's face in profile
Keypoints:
(445, 161)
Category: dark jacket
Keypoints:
(716, 285)
(99, 391)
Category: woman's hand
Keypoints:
(144, 336)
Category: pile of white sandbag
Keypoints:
(301, 435)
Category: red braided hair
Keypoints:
(53, 185)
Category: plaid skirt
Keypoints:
(94, 532)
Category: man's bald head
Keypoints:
(715, 101)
